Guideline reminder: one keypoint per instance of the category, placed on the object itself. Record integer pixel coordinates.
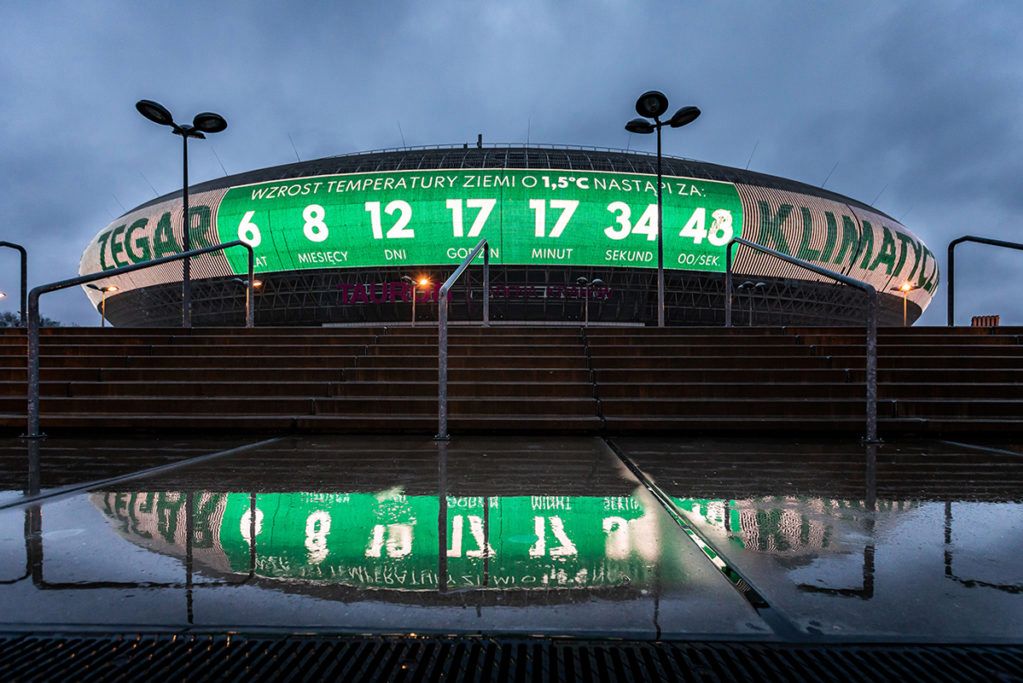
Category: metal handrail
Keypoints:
(442, 330)
(868, 289)
(33, 313)
(952, 266)
(24, 275)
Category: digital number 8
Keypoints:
(315, 229)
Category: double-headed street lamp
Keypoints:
(206, 122)
(588, 286)
(423, 282)
(249, 303)
(651, 105)
(752, 287)
(905, 288)
(109, 289)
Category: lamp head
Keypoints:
(3, 295)
(424, 281)
(155, 112)
(256, 284)
(652, 104)
(641, 126)
(684, 116)
(209, 122)
(597, 282)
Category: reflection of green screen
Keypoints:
(360, 539)
(435, 217)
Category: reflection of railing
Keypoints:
(952, 266)
(442, 329)
(34, 548)
(33, 313)
(871, 350)
(969, 583)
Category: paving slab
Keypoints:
(551, 536)
(65, 461)
(910, 540)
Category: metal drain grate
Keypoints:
(221, 658)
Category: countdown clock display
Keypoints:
(436, 217)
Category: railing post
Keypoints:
(442, 330)
(442, 367)
(728, 284)
(23, 294)
(486, 285)
(250, 314)
(872, 315)
(1018, 246)
(951, 309)
(32, 360)
(871, 366)
(33, 367)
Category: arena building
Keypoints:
(337, 240)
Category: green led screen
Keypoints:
(436, 217)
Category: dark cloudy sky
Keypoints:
(918, 103)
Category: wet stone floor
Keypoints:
(629, 537)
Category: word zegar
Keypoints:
(315, 229)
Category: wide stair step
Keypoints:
(517, 379)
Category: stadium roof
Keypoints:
(511, 156)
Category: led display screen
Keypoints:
(436, 217)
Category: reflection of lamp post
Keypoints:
(256, 284)
(423, 282)
(748, 284)
(651, 105)
(905, 288)
(206, 122)
(588, 286)
(103, 302)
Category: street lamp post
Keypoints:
(24, 278)
(905, 288)
(651, 105)
(752, 287)
(103, 302)
(249, 303)
(588, 286)
(416, 284)
(205, 122)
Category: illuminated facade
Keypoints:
(335, 237)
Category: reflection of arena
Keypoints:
(784, 525)
(811, 223)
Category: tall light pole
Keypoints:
(205, 122)
(24, 278)
(752, 287)
(423, 282)
(905, 288)
(587, 286)
(249, 303)
(103, 302)
(651, 105)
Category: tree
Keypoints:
(9, 319)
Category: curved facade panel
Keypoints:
(334, 237)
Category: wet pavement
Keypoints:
(635, 537)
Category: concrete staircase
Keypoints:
(528, 379)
